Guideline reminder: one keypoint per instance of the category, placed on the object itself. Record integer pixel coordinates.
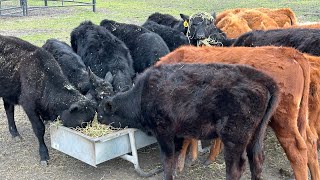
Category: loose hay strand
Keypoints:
(96, 129)
(93, 129)
(208, 41)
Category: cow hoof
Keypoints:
(17, 138)
(44, 163)
(207, 162)
(286, 173)
(190, 162)
(180, 164)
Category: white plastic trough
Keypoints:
(94, 151)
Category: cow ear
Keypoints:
(74, 107)
(108, 77)
(184, 17)
(92, 76)
(213, 14)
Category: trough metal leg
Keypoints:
(134, 159)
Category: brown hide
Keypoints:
(284, 17)
(257, 19)
(233, 26)
(291, 71)
(314, 95)
(313, 130)
(221, 15)
(311, 26)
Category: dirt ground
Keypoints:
(20, 160)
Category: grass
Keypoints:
(43, 24)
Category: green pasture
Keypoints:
(46, 23)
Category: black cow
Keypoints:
(103, 52)
(77, 73)
(201, 27)
(305, 40)
(169, 20)
(172, 37)
(71, 64)
(203, 101)
(146, 47)
(31, 77)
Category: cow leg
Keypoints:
(192, 144)
(256, 159)
(182, 155)
(167, 149)
(313, 163)
(178, 142)
(9, 108)
(214, 151)
(193, 152)
(234, 155)
(294, 146)
(39, 130)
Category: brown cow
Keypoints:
(234, 22)
(289, 122)
(283, 16)
(245, 21)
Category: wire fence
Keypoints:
(22, 8)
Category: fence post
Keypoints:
(25, 7)
(94, 5)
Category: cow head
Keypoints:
(107, 113)
(201, 26)
(121, 82)
(76, 73)
(79, 113)
(111, 111)
(101, 88)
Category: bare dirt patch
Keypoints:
(20, 160)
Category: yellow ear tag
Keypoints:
(185, 24)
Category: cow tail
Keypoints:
(292, 17)
(304, 103)
(257, 144)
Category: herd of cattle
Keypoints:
(153, 77)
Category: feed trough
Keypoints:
(94, 151)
